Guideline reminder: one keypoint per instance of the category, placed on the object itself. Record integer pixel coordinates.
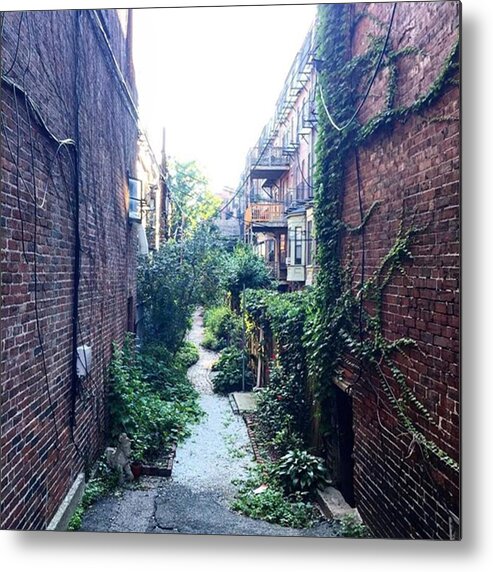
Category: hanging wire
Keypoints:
(36, 283)
(370, 85)
(16, 47)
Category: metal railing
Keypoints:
(303, 192)
(271, 157)
(266, 212)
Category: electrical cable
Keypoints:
(309, 185)
(17, 45)
(37, 115)
(370, 85)
(363, 258)
(95, 19)
(77, 245)
(35, 277)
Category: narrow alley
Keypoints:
(195, 500)
(231, 270)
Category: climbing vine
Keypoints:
(337, 315)
(282, 410)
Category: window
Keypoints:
(297, 245)
(135, 203)
(309, 243)
(282, 248)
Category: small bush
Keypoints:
(352, 527)
(229, 368)
(300, 472)
(150, 400)
(188, 354)
(222, 328)
(272, 505)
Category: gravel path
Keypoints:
(200, 373)
(195, 499)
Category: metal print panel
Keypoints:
(271, 347)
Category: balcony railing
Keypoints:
(303, 192)
(270, 157)
(265, 213)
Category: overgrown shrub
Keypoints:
(277, 426)
(229, 371)
(222, 328)
(174, 280)
(282, 407)
(244, 269)
(150, 400)
(187, 355)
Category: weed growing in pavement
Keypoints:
(104, 482)
(272, 504)
(352, 527)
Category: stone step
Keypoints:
(333, 504)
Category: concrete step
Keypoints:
(333, 504)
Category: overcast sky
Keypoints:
(211, 77)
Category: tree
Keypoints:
(244, 269)
(174, 280)
(192, 201)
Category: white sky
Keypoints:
(211, 77)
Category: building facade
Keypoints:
(390, 433)
(277, 183)
(69, 143)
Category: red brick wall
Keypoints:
(53, 64)
(413, 170)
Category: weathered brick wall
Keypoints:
(412, 169)
(64, 70)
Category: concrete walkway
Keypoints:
(195, 500)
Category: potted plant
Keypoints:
(136, 468)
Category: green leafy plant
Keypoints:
(299, 471)
(272, 505)
(222, 328)
(187, 355)
(174, 280)
(229, 372)
(244, 269)
(153, 409)
(103, 482)
(352, 527)
(282, 407)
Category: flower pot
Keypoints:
(136, 468)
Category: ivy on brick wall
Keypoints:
(338, 322)
(282, 411)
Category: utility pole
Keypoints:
(243, 340)
(164, 191)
